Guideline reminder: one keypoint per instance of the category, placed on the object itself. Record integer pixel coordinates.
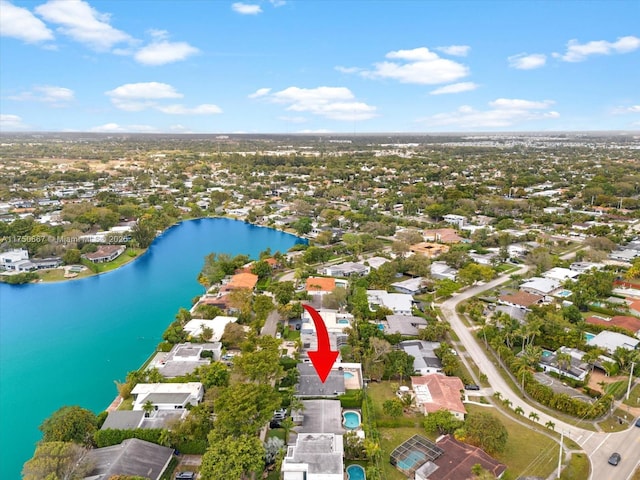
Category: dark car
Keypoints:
(471, 386)
(638, 422)
(614, 459)
(185, 476)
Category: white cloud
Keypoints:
(204, 109)
(10, 122)
(336, 103)
(135, 97)
(420, 66)
(577, 52)
(348, 69)
(78, 20)
(455, 88)
(524, 61)
(163, 52)
(455, 50)
(20, 23)
(246, 9)
(116, 128)
(261, 92)
(56, 96)
(629, 109)
(504, 112)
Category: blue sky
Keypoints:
(288, 66)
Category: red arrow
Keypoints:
(323, 358)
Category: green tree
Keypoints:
(215, 374)
(393, 407)
(283, 292)
(442, 422)
(69, 424)
(261, 268)
(485, 431)
(244, 408)
(143, 232)
(71, 256)
(56, 461)
(302, 226)
(262, 364)
(233, 458)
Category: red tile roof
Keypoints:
(524, 299)
(459, 458)
(242, 280)
(320, 284)
(443, 235)
(444, 391)
(631, 324)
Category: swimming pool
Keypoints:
(414, 458)
(564, 293)
(355, 472)
(343, 321)
(348, 375)
(547, 353)
(351, 419)
(588, 336)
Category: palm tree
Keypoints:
(550, 425)
(519, 410)
(563, 360)
(148, 407)
(534, 416)
(287, 424)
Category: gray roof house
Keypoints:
(612, 340)
(309, 384)
(406, 325)
(132, 457)
(315, 456)
(425, 360)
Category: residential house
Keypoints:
(315, 456)
(320, 416)
(320, 285)
(167, 396)
(425, 360)
(610, 341)
(16, 260)
(582, 267)
(411, 286)
(520, 299)
(184, 358)
(540, 286)
(346, 269)
(561, 274)
(576, 368)
(457, 220)
(405, 325)
(442, 271)
(194, 327)
(132, 457)
(435, 392)
(309, 384)
(457, 461)
(442, 235)
(105, 253)
(240, 280)
(398, 303)
(630, 324)
(429, 249)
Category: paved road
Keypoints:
(597, 445)
(271, 324)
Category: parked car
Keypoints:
(614, 459)
(638, 422)
(185, 476)
(471, 386)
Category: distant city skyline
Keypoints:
(319, 66)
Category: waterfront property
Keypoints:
(167, 396)
(105, 253)
(195, 327)
(184, 358)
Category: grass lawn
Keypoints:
(617, 389)
(612, 424)
(57, 275)
(527, 451)
(634, 397)
(578, 468)
(126, 404)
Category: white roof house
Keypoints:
(612, 340)
(398, 303)
(315, 456)
(561, 274)
(540, 286)
(194, 327)
(410, 286)
(167, 396)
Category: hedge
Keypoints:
(110, 436)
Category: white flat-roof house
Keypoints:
(194, 327)
(167, 396)
(540, 286)
(16, 260)
(398, 303)
(610, 341)
(315, 456)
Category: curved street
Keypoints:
(598, 446)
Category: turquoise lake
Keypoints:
(66, 343)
